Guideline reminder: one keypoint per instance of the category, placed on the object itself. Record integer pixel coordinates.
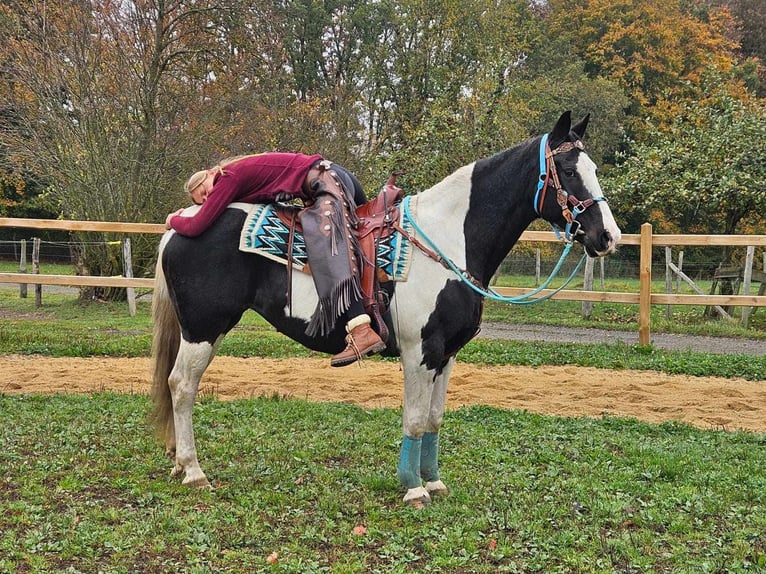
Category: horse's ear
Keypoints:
(579, 127)
(561, 131)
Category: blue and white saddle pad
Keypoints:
(266, 234)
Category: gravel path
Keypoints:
(700, 343)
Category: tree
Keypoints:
(457, 81)
(748, 31)
(705, 174)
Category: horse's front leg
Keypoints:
(429, 450)
(192, 360)
(424, 400)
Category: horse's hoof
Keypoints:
(200, 483)
(437, 487)
(178, 470)
(417, 497)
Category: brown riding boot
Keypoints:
(360, 341)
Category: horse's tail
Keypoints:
(165, 343)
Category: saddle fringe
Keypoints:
(330, 308)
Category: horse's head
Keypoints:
(569, 195)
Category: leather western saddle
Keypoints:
(377, 220)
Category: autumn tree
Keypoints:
(748, 31)
(329, 47)
(658, 52)
(103, 96)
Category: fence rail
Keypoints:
(646, 241)
(73, 225)
(77, 280)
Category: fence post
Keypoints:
(127, 271)
(748, 276)
(645, 285)
(602, 262)
(587, 306)
(23, 268)
(36, 270)
(680, 268)
(537, 267)
(668, 280)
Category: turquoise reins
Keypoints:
(524, 299)
(577, 208)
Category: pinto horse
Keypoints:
(474, 216)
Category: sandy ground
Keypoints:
(706, 402)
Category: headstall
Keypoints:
(549, 177)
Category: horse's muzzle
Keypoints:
(605, 243)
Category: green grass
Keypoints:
(45, 268)
(615, 356)
(529, 493)
(684, 319)
(84, 487)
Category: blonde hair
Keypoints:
(199, 176)
(195, 181)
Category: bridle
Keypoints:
(549, 177)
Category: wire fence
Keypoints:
(698, 263)
(50, 251)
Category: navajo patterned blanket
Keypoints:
(266, 234)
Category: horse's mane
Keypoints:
(510, 156)
(502, 157)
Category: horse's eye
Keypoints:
(569, 172)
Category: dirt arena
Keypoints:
(706, 402)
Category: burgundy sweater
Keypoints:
(256, 179)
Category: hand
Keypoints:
(171, 216)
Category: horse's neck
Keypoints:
(478, 213)
(441, 211)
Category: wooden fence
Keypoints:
(646, 242)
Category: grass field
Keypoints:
(303, 487)
(84, 488)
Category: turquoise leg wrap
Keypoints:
(408, 470)
(429, 457)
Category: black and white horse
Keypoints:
(474, 216)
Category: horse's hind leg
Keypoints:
(191, 362)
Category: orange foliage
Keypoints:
(656, 50)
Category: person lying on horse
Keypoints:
(330, 194)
